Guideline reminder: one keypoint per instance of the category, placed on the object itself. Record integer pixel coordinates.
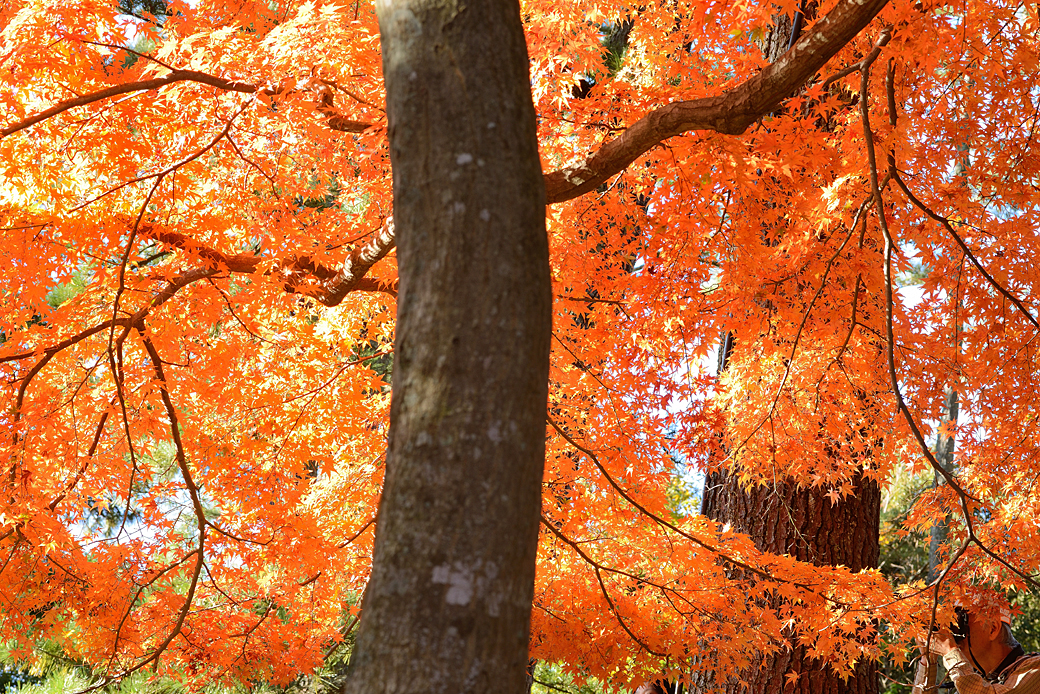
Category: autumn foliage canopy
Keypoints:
(198, 287)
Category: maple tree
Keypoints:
(204, 190)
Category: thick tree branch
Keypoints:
(351, 276)
(731, 112)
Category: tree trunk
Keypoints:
(805, 524)
(802, 522)
(448, 604)
(944, 443)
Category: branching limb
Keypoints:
(331, 286)
(193, 492)
(576, 546)
(130, 605)
(671, 526)
(620, 620)
(597, 568)
(731, 112)
(115, 351)
(49, 353)
(894, 172)
(879, 206)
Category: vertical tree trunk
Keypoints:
(944, 444)
(802, 522)
(805, 524)
(448, 605)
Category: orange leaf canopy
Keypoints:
(199, 288)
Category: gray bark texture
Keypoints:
(448, 604)
(944, 445)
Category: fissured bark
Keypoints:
(802, 522)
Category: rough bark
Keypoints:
(448, 604)
(802, 522)
(805, 524)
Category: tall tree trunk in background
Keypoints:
(448, 604)
(805, 524)
(944, 443)
(802, 522)
(946, 437)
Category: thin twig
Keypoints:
(671, 526)
(967, 251)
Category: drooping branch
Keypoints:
(730, 112)
(967, 251)
(963, 496)
(879, 207)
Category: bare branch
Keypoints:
(175, 284)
